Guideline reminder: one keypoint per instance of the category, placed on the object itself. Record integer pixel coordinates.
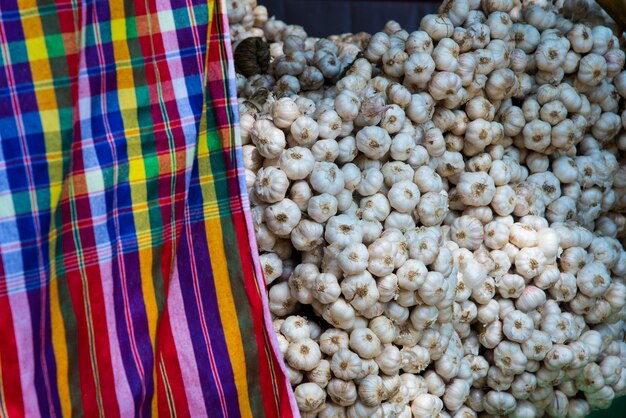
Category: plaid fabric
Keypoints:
(128, 286)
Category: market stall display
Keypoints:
(438, 209)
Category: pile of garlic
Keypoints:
(437, 212)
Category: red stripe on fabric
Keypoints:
(163, 408)
(75, 287)
(171, 202)
(166, 400)
(95, 304)
(101, 337)
(69, 22)
(87, 378)
(166, 352)
(9, 363)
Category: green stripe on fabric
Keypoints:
(85, 294)
(233, 264)
(70, 325)
(59, 69)
(150, 161)
(71, 339)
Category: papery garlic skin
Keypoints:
(309, 397)
(297, 163)
(476, 189)
(269, 140)
(326, 177)
(271, 184)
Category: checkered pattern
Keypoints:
(128, 280)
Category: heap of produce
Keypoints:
(438, 209)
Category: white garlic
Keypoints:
(365, 343)
(371, 390)
(272, 267)
(476, 189)
(269, 140)
(332, 340)
(593, 279)
(508, 356)
(282, 217)
(437, 26)
(325, 288)
(271, 184)
(339, 314)
(321, 207)
(342, 392)
(309, 397)
(303, 354)
(499, 403)
(326, 177)
(530, 262)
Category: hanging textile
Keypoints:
(129, 283)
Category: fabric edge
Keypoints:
(245, 203)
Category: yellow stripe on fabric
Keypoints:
(225, 300)
(136, 171)
(42, 73)
(3, 405)
(47, 105)
(50, 121)
(58, 341)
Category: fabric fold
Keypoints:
(129, 280)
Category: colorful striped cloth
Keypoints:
(128, 283)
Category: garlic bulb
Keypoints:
(282, 217)
(326, 177)
(499, 403)
(371, 390)
(476, 189)
(437, 26)
(304, 130)
(309, 397)
(467, 232)
(272, 267)
(342, 392)
(345, 364)
(271, 184)
(295, 328)
(447, 202)
(365, 343)
(303, 354)
(269, 140)
(321, 207)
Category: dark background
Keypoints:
(330, 17)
